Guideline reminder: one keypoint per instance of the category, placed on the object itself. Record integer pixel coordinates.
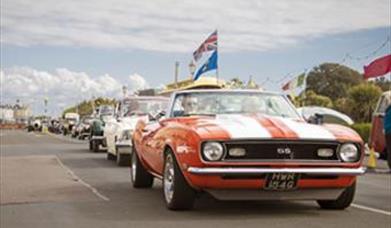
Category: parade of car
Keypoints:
(118, 131)
(244, 145)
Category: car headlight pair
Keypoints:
(349, 152)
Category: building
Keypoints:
(21, 113)
(6, 114)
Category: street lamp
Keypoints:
(124, 91)
(192, 68)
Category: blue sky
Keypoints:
(105, 47)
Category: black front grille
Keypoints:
(289, 150)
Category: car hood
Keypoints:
(235, 126)
(129, 123)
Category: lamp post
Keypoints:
(192, 68)
(124, 91)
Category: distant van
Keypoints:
(377, 138)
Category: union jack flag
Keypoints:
(210, 44)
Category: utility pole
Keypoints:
(176, 73)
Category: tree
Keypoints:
(310, 98)
(332, 80)
(85, 108)
(235, 83)
(361, 102)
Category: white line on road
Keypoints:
(76, 178)
(371, 209)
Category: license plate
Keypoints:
(281, 181)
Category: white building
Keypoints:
(6, 114)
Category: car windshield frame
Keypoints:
(126, 112)
(290, 108)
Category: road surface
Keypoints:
(52, 181)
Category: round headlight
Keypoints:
(213, 151)
(349, 152)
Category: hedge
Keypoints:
(363, 129)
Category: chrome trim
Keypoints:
(260, 194)
(246, 171)
(97, 137)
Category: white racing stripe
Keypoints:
(308, 131)
(241, 127)
(371, 209)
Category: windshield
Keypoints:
(212, 103)
(106, 110)
(142, 107)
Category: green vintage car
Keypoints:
(97, 141)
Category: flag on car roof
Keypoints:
(210, 44)
(210, 64)
(378, 67)
(294, 83)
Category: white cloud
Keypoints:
(137, 82)
(173, 25)
(63, 87)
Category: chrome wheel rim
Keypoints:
(168, 180)
(133, 174)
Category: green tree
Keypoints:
(332, 80)
(86, 107)
(235, 83)
(361, 102)
(310, 98)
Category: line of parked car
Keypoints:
(232, 144)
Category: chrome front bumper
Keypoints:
(255, 171)
(124, 147)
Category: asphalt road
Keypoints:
(83, 189)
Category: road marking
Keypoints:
(371, 209)
(76, 178)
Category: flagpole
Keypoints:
(217, 62)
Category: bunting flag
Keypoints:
(211, 64)
(378, 67)
(294, 83)
(210, 44)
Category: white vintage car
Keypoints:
(118, 131)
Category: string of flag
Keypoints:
(379, 67)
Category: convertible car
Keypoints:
(244, 145)
(118, 131)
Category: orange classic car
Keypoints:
(244, 145)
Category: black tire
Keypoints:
(389, 159)
(183, 195)
(95, 146)
(111, 157)
(90, 145)
(342, 202)
(123, 159)
(139, 175)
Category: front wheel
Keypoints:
(178, 194)
(342, 202)
(139, 175)
(123, 159)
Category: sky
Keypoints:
(69, 51)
